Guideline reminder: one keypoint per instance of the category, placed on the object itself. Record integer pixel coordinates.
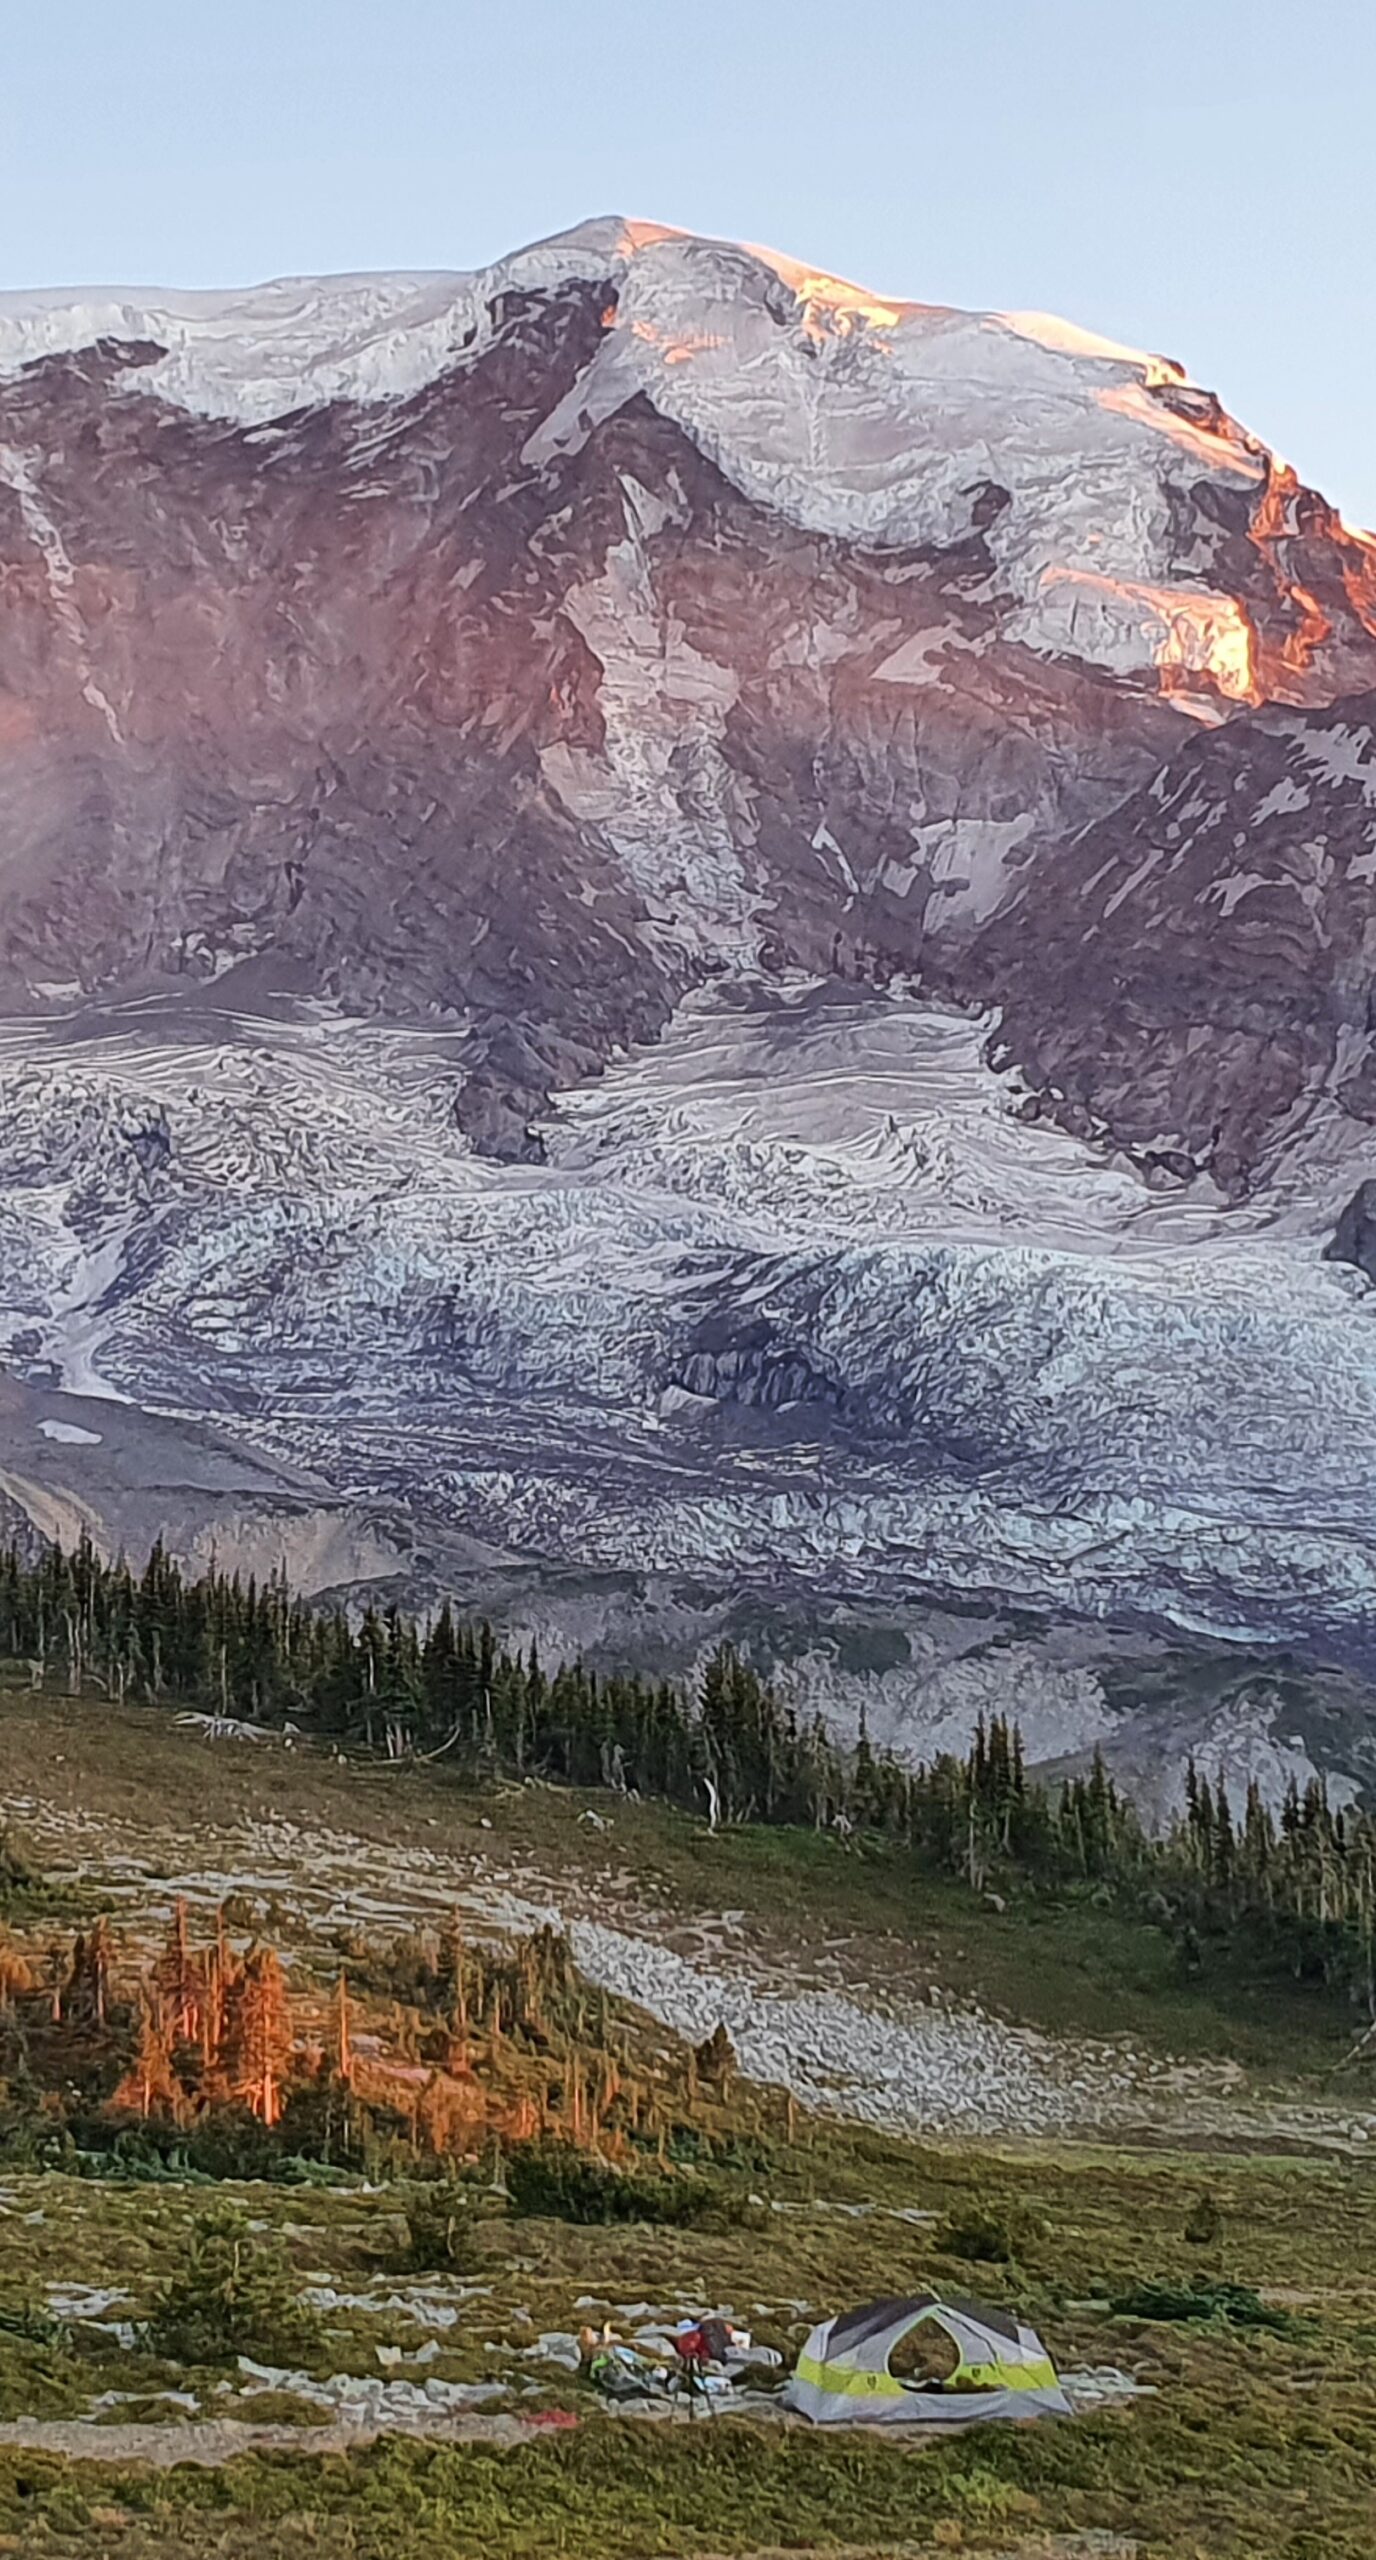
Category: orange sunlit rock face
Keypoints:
(1214, 440)
(1322, 575)
(1282, 663)
(1297, 653)
(1359, 574)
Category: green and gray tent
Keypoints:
(998, 2368)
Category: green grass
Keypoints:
(1236, 2481)
(1250, 2444)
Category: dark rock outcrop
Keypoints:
(1354, 1237)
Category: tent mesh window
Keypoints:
(925, 2357)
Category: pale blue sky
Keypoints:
(1198, 179)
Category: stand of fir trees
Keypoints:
(1296, 1891)
(185, 2051)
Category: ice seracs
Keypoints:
(795, 1291)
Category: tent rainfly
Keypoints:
(1002, 2370)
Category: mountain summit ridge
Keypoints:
(696, 321)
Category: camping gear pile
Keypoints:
(697, 2360)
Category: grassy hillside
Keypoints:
(1235, 2442)
(1065, 1962)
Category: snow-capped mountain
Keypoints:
(682, 920)
(528, 646)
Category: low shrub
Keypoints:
(1204, 2222)
(715, 2059)
(985, 2237)
(21, 2318)
(233, 2296)
(1235, 2303)
(18, 1875)
(232, 2142)
(692, 2146)
(441, 2221)
(569, 2185)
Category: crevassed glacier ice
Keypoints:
(795, 1292)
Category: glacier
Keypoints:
(794, 1292)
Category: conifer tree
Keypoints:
(180, 1984)
(150, 2085)
(254, 2061)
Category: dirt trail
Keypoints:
(210, 2442)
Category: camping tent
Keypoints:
(1001, 2368)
